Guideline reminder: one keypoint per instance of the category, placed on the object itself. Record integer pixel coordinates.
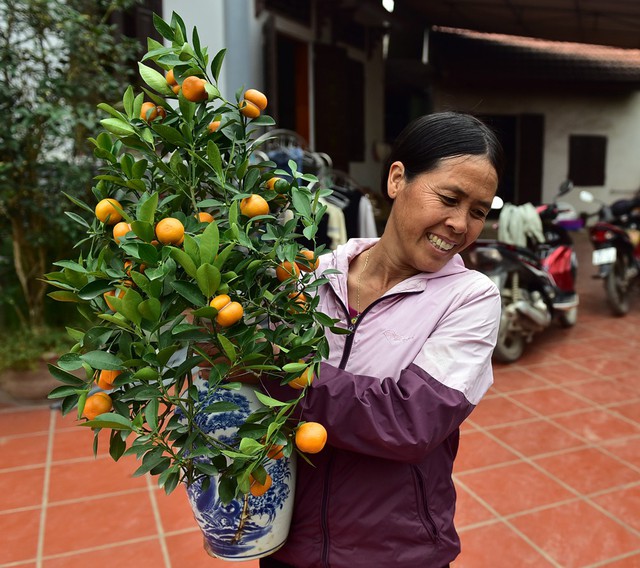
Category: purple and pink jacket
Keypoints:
(392, 396)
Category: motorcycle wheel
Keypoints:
(510, 344)
(617, 289)
(568, 318)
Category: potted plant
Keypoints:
(192, 260)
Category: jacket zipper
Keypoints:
(430, 524)
(353, 327)
(343, 363)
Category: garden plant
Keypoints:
(194, 258)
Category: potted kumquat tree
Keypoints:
(192, 278)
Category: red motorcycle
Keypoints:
(536, 281)
(616, 242)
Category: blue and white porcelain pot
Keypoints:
(241, 530)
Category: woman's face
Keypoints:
(439, 213)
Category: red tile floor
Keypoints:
(548, 472)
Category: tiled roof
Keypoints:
(533, 58)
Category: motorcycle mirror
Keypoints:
(497, 203)
(586, 196)
(565, 187)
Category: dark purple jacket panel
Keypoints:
(380, 494)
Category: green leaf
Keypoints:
(64, 296)
(294, 367)
(117, 126)
(102, 360)
(65, 377)
(95, 289)
(206, 468)
(61, 392)
(184, 260)
(208, 279)
(147, 208)
(216, 64)
(301, 202)
(190, 246)
(222, 257)
(71, 265)
(209, 242)
(206, 312)
(155, 80)
(129, 306)
(268, 401)
(109, 420)
(165, 354)
(150, 309)
(127, 102)
(70, 362)
(117, 445)
(163, 28)
(143, 230)
(215, 159)
(220, 406)
(169, 134)
(189, 292)
(151, 413)
(228, 348)
(249, 446)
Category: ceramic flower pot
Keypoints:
(251, 527)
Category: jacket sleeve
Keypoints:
(406, 419)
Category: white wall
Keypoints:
(229, 24)
(616, 117)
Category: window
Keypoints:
(587, 159)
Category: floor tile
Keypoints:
(632, 561)
(76, 443)
(608, 365)
(514, 488)
(509, 380)
(562, 373)
(576, 534)
(588, 470)
(571, 350)
(597, 425)
(629, 410)
(479, 450)
(19, 532)
(24, 421)
(496, 411)
(549, 401)
(145, 554)
(175, 510)
(21, 488)
(17, 451)
(624, 504)
(603, 391)
(469, 510)
(497, 546)
(536, 437)
(627, 450)
(92, 477)
(98, 522)
(186, 550)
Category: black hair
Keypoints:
(429, 139)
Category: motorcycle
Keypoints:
(616, 249)
(536, 281)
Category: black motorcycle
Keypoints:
(616, 249)
(536, 282)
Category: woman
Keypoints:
(394, 392)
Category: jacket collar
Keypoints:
(344, 254)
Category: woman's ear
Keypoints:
(395, 179)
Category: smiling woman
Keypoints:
(414, 361)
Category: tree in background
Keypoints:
(58, 59)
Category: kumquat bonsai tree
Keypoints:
(192, 258)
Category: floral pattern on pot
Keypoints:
(252, 527)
